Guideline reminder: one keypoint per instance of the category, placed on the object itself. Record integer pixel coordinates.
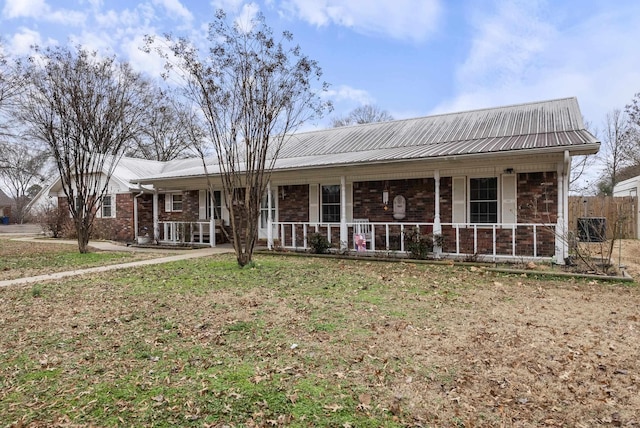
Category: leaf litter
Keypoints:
(375, 341)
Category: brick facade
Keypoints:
(537, 197)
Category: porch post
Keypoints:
(156, 224)
(212, 220)
(135, 218)
(269, 219)
(344, 239)
(437, 227)
(562, 229)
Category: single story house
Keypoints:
(484, 184)
(6, 205)
(630, 187)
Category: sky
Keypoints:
(409, 57)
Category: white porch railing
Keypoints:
(484, 241)
(186, 232)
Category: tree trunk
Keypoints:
(83, 238)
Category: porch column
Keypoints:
(344, 231)
(269, 219)
(437, 227)
(562, 248)
(156, 224)
(212, 219)
(135, 217)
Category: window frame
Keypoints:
(496, 202)
(324, 204)
(111, 206)
(172, 202)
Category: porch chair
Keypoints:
(362, 234)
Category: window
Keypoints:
(483, 200)
(106, 208)
(176, 202)
(264, 210)
(330, 204)
(217, 205)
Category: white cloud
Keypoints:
(175, 8)
(411, 20)
(520, 54)
(229, 6)
(24, 8)
(39, 9)
(21, 42)
(346, 93)
(246, 16)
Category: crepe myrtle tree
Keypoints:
(252, 90)
(87, 109)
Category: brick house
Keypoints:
(6, 205)
(488, 184)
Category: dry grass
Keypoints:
(319, 342)
(20, 259)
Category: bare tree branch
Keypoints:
(252, 91)
(87, 110)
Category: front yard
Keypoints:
(319, 342)
(20, 259)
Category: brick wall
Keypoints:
(119, 228)
(294, 207)
(418, 193)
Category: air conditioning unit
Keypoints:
(592, 229)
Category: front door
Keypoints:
(264, 213)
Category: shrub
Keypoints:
(53, 220)
(319, 243)
(420, 245)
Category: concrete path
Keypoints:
(110, 246)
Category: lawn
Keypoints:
(296, 341)
(20, 259)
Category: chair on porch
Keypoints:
(362, 234)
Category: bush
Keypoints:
(319, 243)
(420, 245)
(54, 220)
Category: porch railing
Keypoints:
(185, 232)
(468, 240)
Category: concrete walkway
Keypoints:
(110, 246)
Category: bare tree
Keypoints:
(632, 110)
(10, 87)
(253, 91)
(22, 167)
(166, 134)
(581, 166)
(616, 141)
(87, 109)
(364, 114)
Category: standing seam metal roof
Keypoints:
(537, 125)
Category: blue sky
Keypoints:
(410, 57)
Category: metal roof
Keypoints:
(545, 125)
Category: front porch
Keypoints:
(484, 242)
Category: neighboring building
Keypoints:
(488, 184)
(7, 204)
(630, 187)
